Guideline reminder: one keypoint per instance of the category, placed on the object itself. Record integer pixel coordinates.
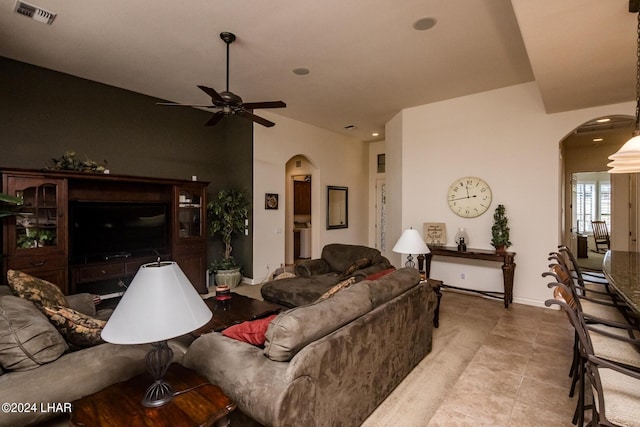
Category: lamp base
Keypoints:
(410, 262)
(158, 360)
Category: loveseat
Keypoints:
(39, 369)
(328, 363)
(314, 277)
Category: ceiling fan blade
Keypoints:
(215, 119)
(212, 93)
(260, 105)
(174, 104)
(257, 119)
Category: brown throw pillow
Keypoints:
(361, 263)
(27, 339)
(38, 291)
(337, 288)
(78, 329)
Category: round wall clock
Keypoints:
(469, 197)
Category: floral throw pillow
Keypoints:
(361, 263)
(77, 328)
(38, 291)
(337, 288)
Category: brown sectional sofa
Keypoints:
(315, 277)
(328, 363)
(43, 376)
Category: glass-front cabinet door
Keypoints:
(42, 224)
(189, 213)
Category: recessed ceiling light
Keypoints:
(375, 134)
(598, 139)
(603, 120)
(301, 71)
(424, 23)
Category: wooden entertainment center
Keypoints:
(41, 243)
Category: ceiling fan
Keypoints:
(228, 102)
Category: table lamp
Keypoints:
(410, 242)
(159, 304)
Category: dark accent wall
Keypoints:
(44, 113)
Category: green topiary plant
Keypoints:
(227, 213)
(500, 229)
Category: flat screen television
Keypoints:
(102, 231)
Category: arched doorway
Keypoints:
(298, 209)
(590, 193)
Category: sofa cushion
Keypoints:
(27, 339)
(297, 291)
(38, 291)
(391, 285)
(340, 256)
(251, 331)
(292, 330)
(78, 329)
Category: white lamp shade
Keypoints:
(411, 242)
(627, 158)
(160, 304)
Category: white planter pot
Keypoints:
(230, 278)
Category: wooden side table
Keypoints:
(197, 403)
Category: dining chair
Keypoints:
(615, 387)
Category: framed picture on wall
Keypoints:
(435, 233)
(271, 201)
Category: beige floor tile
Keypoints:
(540, 395)
(487, 408)
(447, 418)
(517, 333)
(491, 381)
(501, 361)
(550, 371)
(509, 345)
(527, 416)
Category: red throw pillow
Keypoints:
(379, 274)
(251, 331)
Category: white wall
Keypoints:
(336, 159)
(505, 137)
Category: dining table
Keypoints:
(622, 270)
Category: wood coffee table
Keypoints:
(196, 403)
(237, 309)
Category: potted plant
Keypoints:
(500, 230)
(10, 205)
(226, 214)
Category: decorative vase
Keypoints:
(230, 277)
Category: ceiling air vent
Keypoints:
(34, 12)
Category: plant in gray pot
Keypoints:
(500, 230)
(226, 214)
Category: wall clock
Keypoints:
(469, 197)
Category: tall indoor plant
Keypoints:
(226, 214)
(500, 230)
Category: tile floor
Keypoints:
(519, 375)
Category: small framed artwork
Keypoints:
(271, 201)
(435, 233)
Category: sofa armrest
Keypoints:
(312, 267)
(83, 303)
(367, 271)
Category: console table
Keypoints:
(506, 259)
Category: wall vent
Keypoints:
(35, 12)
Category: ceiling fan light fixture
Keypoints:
(627, 158)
